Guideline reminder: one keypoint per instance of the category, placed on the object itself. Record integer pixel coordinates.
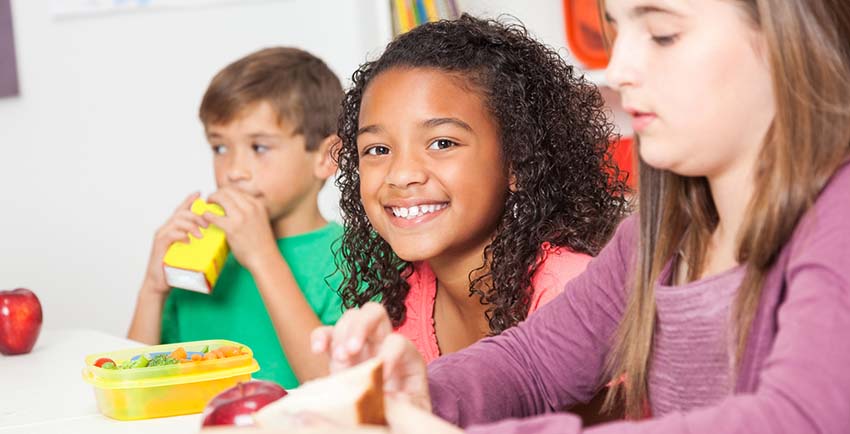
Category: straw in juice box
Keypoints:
(195, 265)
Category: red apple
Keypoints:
(234, 406)
(20, 321)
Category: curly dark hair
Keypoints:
(554, 135)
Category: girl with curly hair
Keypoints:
(476, 181)
(723, 304)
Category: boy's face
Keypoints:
(260, 157)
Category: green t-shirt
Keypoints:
(235, 309)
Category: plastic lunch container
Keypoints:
(169, 390)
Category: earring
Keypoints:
(512, 197)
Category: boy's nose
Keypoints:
(236, 174)
(238, 169)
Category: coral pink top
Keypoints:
(557, 266)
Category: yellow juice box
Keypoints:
(196, 265)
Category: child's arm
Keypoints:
(146, 322)
(253, 244)
(292, 316)
(552, 360)
(802, 385)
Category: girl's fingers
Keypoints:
(375, 327)
(393, 354)
(405, 371)
(320, 339)
(358, 331)
(339, 333)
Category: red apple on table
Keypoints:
(20, 321)
(234, 406)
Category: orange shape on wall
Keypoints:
(623, 153)
(584, 33)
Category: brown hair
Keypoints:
(808, 50)
(299, 86)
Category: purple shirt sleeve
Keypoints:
(555, 358)
(552, 360)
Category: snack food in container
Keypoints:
(146, 382)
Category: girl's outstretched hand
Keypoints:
(365, 333)
(402, 418)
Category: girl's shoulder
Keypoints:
(823, 233)
(560, 260)
(556, 266)
(835, 197)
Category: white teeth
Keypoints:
(416, 211)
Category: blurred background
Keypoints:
(99, 135)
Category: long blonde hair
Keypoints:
(808, 50)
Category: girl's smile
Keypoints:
(411, 216)
(422, 160)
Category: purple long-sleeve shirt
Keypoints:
(794, 377)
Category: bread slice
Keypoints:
(348, 398)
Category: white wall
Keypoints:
(104, 140)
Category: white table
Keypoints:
(43, 391)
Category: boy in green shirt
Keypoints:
(270, 119)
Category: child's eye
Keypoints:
(441, 144)
(219, 149)
(665, 40)
(260, 149)
(376, 150)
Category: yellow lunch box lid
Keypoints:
(167, 375)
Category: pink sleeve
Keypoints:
(559, 265)
(418, 325)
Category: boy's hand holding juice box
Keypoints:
(180, 378)
(196, 265)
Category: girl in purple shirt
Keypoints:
(723, 306)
